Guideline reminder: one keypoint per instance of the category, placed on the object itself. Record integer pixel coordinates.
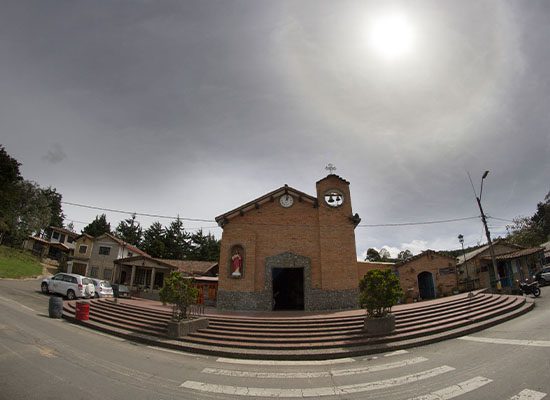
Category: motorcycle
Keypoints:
(529, 288)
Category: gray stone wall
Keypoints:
(314, 299)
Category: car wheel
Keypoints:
(44, 288)
(96, 295)
(542, 282)
(71, 295)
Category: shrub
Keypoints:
(179, 292)
(379, 292)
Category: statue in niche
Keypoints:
(237, 262)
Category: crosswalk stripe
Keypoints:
(455, 390)
(284, 362)
(307, 375)
(315, 392)
(536, 343)
(528, 394)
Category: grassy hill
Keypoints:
(16, 263)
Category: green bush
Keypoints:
(178, 291)
(379, 291)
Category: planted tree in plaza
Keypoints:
(178, 291)
(379, 292)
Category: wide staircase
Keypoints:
(303, 337)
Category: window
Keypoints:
(94, 272)
(108, 273)
(104, 250)
(82, 249)
(70, 239)
(55, 235)
(130, 254)
(62, 238)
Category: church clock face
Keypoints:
(286, 200)
(334, 198)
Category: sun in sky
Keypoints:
(391, 35)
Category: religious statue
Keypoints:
(236, 264)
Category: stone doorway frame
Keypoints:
(288, 260)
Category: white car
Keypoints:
(543, 276)
(102, 288)
(70, 285)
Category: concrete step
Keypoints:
(299, 337)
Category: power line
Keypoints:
(442, 221)
(136, 213)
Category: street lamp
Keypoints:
(488, 234)
(461, 240)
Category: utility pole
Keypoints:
(488, 234)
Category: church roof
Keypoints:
(268, 197)
(333, 176)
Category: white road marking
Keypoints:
(396, 353)
(283, 362)
(307, 375)
(517, 342)
(528, 394)
(15, 302)
(455, 390)
(315, 392)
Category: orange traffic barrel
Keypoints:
(82, 310)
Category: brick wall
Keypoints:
(441, 267)
(323, 234)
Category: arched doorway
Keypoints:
(426, 285)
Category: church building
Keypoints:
(288, 250)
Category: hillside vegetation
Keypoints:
(15, 263)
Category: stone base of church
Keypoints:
(315, 300)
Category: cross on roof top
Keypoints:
(330, 168)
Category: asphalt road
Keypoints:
(45, 358)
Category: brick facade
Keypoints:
(309, 235)
(428, 269)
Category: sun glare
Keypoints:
(391, 36)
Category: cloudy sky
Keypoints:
(193, 108)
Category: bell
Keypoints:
(338, 199)
(330, 199)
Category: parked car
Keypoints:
(120, 290)
(102, 288)
(70, 285)
(543, 276)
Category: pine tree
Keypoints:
(130, 231)
(204, 247)
(176, 241)
(98, 226)
(154, 240)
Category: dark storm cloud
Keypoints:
(195, 107)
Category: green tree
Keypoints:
(204, 247)
(31, 212)
(525, 232)
(372, 255)
(179, 292)
(531, 231)
(98, 226)
(10, 177)
(384, 254)
(379, 292)
(403, 255)
(176, 241)
(54, 203)
(130, 231)
(154, 240)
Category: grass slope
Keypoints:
(15, 263)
